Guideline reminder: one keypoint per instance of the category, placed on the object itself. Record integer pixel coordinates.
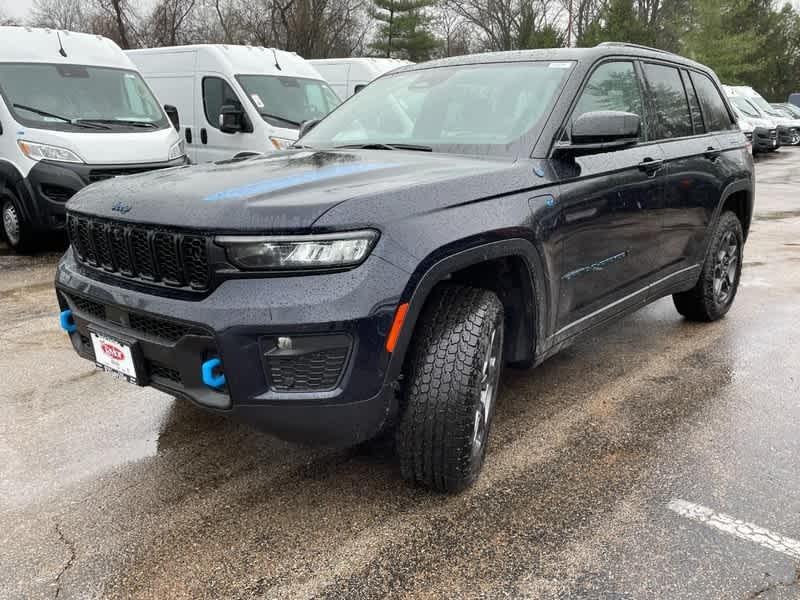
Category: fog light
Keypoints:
(284, 343)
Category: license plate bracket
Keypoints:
(119, 356)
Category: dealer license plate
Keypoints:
(114, 357)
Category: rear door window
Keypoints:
(673, 119)
(612, 86)
(716, 115)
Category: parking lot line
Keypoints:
(741, 529)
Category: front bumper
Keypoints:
(765, 139)
(337, 322)
(49, 185)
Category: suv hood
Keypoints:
(286, 191)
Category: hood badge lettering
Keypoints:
(121, 207)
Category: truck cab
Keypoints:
(235, 100)
(73, 110)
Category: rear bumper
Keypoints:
(49, 185)
(328, 388)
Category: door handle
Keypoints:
(651, 166)
(712, 153)
(204, 135)
(188, 135)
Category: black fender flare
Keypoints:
(426, 278)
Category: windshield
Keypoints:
(470, 109)
(288, 101)
(745, 107)
(762, 104)
(794, 112)
(61, 97)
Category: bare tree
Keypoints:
(59, 14)
(6, 20)
(170, 23)
(114, 19)
(507, 24)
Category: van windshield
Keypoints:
(75, 97)
(288, 101)
(744, 106)
(470, 109)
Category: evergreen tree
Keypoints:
(403, 29)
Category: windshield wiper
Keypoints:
(279, 118)
(126, 122)
(382, 146)
(75, 122)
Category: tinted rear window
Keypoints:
(716, 115)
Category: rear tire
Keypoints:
(713, 295)
(16, 230)
(452, 377)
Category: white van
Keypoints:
(235, 99)
(73, 110)
(348, 76)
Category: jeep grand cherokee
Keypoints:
(452, 218)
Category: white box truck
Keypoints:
(348, 76)
(236, 100)
(73, 111)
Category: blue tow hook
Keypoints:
(66, 321)
(211, 380)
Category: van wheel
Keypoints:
(715, 291)
(451, 386)
(16, 230)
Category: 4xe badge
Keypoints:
(121, 207)
(112, 351)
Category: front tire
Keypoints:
(712, 297)
(451, 386)
(16, 230)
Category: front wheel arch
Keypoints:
(422, 284)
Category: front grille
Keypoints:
(90, 307)
(159, 328)
(162, 329)
(57, 192)
(147, 254)
(103, 174)
(156, 369)
(315, 371)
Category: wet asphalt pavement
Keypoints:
(107, 490)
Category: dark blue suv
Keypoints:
(453, 218)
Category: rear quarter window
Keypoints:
(716, 114)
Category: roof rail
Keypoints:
(628, 45)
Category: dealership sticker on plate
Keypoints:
(257, 100)
(114, 357)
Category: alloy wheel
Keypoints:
(725, 268)
(490, 374)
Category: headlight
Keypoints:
(36, 151)
(176, 151)
(327, 251)
(281, 143)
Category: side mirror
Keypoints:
(307, 126)
(231, 119)
(172, 113)
(604, 129)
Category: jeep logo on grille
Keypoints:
(121, 207)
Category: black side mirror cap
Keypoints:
(231, 119)
(174, 118)
(307, 126)
(603, 129)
